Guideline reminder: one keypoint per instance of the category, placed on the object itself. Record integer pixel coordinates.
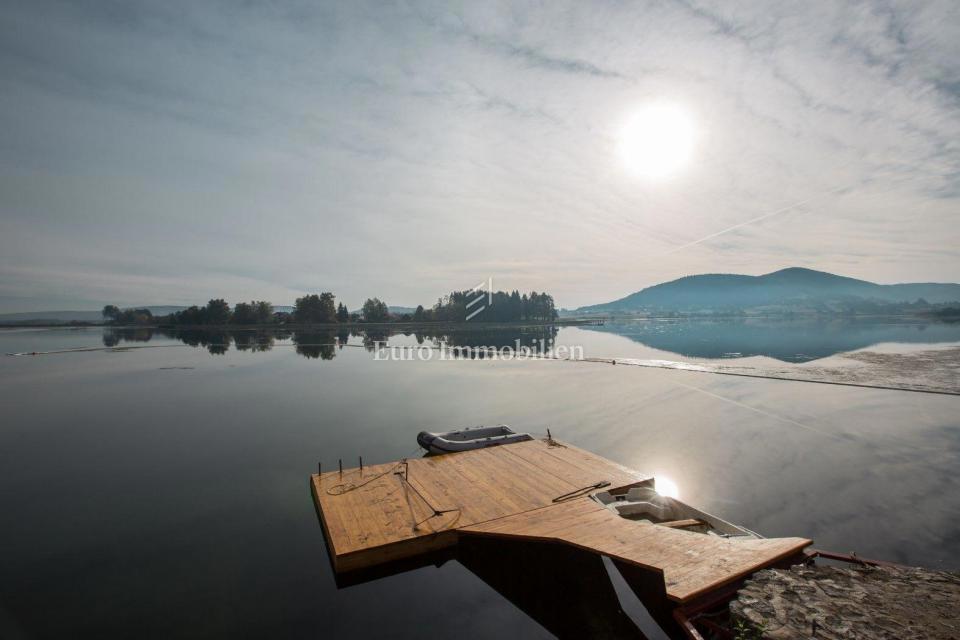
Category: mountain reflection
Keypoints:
(787, 340)
(323, 344)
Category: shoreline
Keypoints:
(569, 322)
(562, 321)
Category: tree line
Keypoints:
(323, 308)
(499, 306)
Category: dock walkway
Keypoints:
(537, 491)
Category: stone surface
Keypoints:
(830, 602)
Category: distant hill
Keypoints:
(788, 289)
(401, 310)
(62, 317)
(392, 309)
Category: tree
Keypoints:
(418, 314)
(217, 311)
(375, 310)
(342, 314)
(497, 306)
(243, 313)
(328, 308)
(315, 309)
(190, 315)
(115, 315)
(253, 312)
(262, 311)
(516, 308)
(306, 309)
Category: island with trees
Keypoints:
(498, 307)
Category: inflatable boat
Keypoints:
(469, 438)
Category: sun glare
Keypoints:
(667, 487)
(657, 141)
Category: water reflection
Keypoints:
(666, 486)
(216, 342)
(315, 344)
(534, 338)
(788, 340)
(113, 337)
(255, 341)
(224, 455)
(323, 344)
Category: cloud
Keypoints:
(262, 152)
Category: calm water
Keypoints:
(162, 492)
(780, 339)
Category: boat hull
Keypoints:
(469, 439)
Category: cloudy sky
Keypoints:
(172, 152)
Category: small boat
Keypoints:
(645, 504)
(469, 438)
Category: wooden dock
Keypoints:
(536, 491)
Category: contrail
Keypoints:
(754, 220)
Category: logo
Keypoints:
(483, 291)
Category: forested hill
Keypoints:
(792, 288)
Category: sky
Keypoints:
(171, 152)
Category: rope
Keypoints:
(582, 490)
(436, 512)
(346, 487)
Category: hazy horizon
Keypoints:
(167, 154)
(404, 305)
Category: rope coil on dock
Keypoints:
(346, 487)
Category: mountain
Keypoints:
(401, 310)
(63, 317)
(392, 309)
(787, 289)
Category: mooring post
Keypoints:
(549, 437)
(340, 464)
(361, 465)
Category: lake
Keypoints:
(158, 485)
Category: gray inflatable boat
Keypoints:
(470, 438)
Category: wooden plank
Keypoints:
(682, 524)
(575, 465)
(691, 563)
(376, 507)
(386, 512)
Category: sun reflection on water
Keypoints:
(666, 486)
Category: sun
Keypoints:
(657, 141)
